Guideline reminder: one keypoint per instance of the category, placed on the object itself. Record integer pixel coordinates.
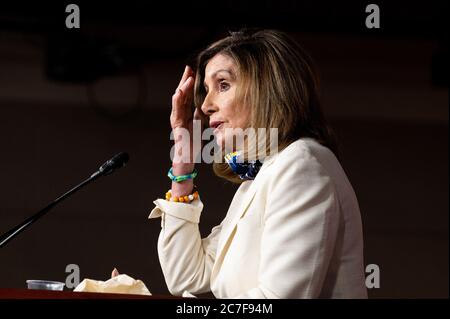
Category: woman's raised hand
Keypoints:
(181, 115)
(181, 121)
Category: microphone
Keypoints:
(116, 162)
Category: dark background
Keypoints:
(70, 99)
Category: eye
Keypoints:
(223, 86)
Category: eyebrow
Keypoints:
(221, 70)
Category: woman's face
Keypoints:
(220, 104)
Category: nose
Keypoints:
(209, 107)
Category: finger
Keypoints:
(187, 90)
(190, 95)
(183, 77)
(179, 101)
(188, 84)
(179, 109)
(176, 102)
(187, 72)
(114, 273)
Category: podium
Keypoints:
(26, 294)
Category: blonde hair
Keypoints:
(278, 83)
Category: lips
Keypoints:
(215, 124)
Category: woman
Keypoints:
(293, 228)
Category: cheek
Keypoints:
(228, 106)
(235, 115)
(239, 118)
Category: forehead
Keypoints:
(219, 62)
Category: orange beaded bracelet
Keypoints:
(181, 199)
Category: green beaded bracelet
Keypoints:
(181, 178)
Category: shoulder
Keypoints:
(307, 163)
(297, 178)
(301, 154)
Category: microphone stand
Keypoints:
(5, 238)
(106, 169)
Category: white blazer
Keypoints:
(293, 232)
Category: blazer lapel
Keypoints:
(239, 208)
(228, 232)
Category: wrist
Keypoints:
(183, 188)
(182, 198)
(182, 168)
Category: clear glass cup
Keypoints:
(45, 285)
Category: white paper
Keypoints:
(121, 284)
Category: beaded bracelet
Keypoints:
(181, 178)
(182, 199)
